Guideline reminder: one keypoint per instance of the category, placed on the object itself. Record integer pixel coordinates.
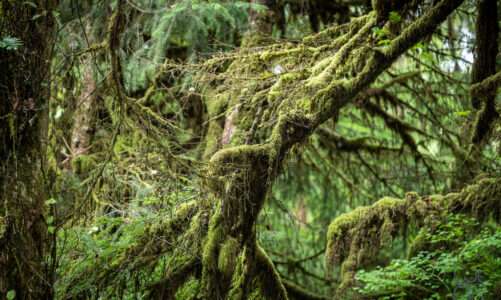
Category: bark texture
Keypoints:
(24, 91)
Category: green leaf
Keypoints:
(50, 220)
(395, 17)
(11, 295)
(10, 43)
(51, 229)
(51, 201)
(462, 113)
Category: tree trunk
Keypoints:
(261, 23)
(483, 104)
(25, 92)
(224, 256)
(240, 175)
(84, 116)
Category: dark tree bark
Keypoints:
(487, 31)
(483, 103)
(25, 92)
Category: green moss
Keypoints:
(215, 237)
(268, 281)
(255, 277)
(228, 257)
(480, 200)
(82, 164)
(216, 111)
(210, 254)
(354, 238)
(229, 160)
(185, 210)
(238, 280)
(189, 290)
(360, 221)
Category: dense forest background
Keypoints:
(254, 149)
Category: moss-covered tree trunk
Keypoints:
(484, 103)
(245, 156)
(24, 90)
(240, 175)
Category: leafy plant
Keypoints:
(188, 29)
(394, 17)
(10, 43)
(472, 271)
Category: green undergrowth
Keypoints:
(123, 253)
(463, 263)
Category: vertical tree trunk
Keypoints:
(261, 23)
(24, 91)
(84, 117)
(484, 105)
(487, 31)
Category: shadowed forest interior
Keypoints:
(251, 149)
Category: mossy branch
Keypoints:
(355, 238)
(488, 84)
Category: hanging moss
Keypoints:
(189, 290)
(296, 87)
(354, 239)
(228, 256)
(366, 228)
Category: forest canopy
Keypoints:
(253, 149)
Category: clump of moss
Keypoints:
(216, 109)
(238, 281)
(189, 290)
(82, 164)
(355, 238)
(227, 257)
(364, 228)
(238, 175)
(480, 200)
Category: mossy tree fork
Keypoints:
(226, 258)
